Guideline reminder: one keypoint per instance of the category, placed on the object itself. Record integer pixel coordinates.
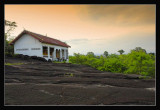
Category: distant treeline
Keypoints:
(138, 61)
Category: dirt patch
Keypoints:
(43, 83)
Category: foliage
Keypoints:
(9, 26)
(140, 63)
(138, 49)
(105, 53)
(9, 49)
(121, 51)
(90, 54)
(135, 62)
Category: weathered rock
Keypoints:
(50, 60)
(34, 57)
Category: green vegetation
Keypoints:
(121, 51)
(59, 61)
(9, 27)
(105, 53)
(14, 63)
(69, 74)
(145, 77)
(135, 62)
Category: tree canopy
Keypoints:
(90, 54)
(105, 53)
(138, 49)
(135, 62)
(9, 26)
(121, 51)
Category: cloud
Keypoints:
(77, 41)
(85, 28)
(127, 42)
(119, 14)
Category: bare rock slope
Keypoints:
(42, 83)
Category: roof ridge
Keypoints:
(42, 38)
(35, 35)
(43, 35)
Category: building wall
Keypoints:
(55, 47)
(28, 45)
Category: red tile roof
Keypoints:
(41, 38)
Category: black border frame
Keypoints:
(7, 2)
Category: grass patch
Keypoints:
(69, 74)
(14, 63)
(145, 77)
(59, 62)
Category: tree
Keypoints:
(113, 56)
(121, 51)
(138, 49)
(90, 54)
(140, 63)
(9, 26)
(151, 53)
(105, 53)
(135, 62)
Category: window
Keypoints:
(51, 52)
(21, 49)
(45, 51)
(35, 48)
(57, 53)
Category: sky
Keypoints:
(89, 28)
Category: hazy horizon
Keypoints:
(89, 28)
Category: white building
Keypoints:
(32, 44)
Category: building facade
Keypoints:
(32, 44)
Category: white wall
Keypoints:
(55, 47)
(28, 42)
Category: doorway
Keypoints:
(51, 52)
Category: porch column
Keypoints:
(54, 53)
(67, 57)
(64, 53)
(42, 50)
(60, 53)
(48, 52)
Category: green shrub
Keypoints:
(135, 62)
(15, 55)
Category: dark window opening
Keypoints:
(51, 52)
(57, 53)
(45, 51)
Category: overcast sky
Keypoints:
(85, 28)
